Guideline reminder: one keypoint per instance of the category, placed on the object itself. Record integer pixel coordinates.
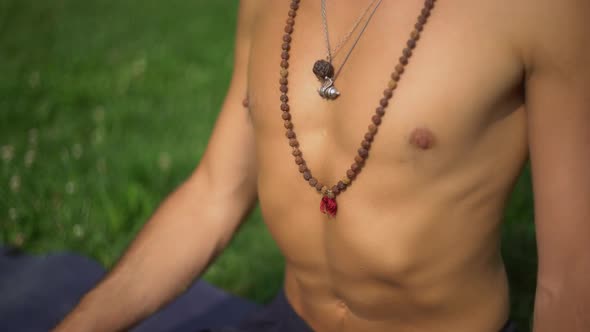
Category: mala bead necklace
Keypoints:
(324, 69)
(328, 202)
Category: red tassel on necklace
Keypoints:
(328, 206)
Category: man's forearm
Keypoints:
(563, 306)
(173, 248)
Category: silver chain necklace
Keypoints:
(331, 53)
(324, 69)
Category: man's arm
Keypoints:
(557, 57)
(192, 225)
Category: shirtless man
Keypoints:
(415, 243)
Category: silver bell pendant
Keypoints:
(328, 90)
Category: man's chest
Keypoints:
(462, 71)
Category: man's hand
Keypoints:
(557, 56)
(192, 226)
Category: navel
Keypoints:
(422, 138)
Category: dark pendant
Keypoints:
(323, 69)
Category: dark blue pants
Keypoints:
(36, 292)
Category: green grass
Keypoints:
(106, 106)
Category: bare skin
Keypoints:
(415, 244)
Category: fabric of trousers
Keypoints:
(279, 316)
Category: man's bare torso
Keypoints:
(415, 243)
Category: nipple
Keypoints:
(422, 138)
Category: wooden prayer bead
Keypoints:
(388, 93)
(294, 5)
(422, 19)
(355, 166)
(392, 85)
(369, 137)
(284, 64)
(290, 21)
(366, 144)
(324, 190)
(411, 43)
(376, 119)
(384, 102)
(290, 133)
(289, 29)
(288, 124)
(319, 186)
(407, 52)
(286, 46)
(335, 190)
(419, 26)
(313, 182)
(380, 110)
(350, 173)
(307, 175)
(292, 13)
(341, 185)
(363, 153)
(372, 129)
(293, 142)
(283, 81)
(346, 181)
(284, 88)
(284, 97)
(399, 68)
(302, 168)
(284, 73)
(359, 159)
(403, 59)
(287, 38)
(296, 152)
(285, 107)
(299, 160)
(286, 116)
(285, 55)
(395, 76)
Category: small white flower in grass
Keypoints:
(98, 136)
(34, 79)
(19, 240)
(33, 136)
(12, 214)
(70, 187)
(101, 166)
(65, 155)
(7, 153)
(138, 67)
(15, 183)
(77, 151)
(164, 161)
(98, 114)
(78, 230)
(30, 158)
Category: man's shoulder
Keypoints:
(550, 28)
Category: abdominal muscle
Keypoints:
(423, 257)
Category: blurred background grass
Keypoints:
(106, 106)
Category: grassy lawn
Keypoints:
(106, 106)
